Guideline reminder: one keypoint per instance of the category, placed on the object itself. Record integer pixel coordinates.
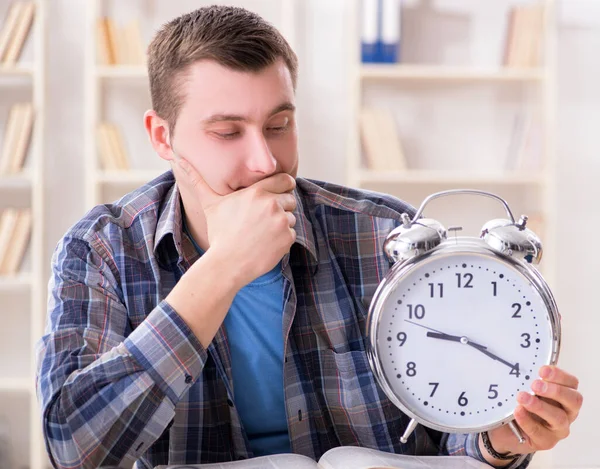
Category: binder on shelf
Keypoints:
(23, 138)
(524, 37)
(120, 46)
(390, 31)
(20, 33)
(8, 222)
(370, 31)
(17, 246)
(380, 141)
(17, 137)
(111, 148)
(9, 27)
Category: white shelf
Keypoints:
(20, 385)
(15, 182)
(16, 71)
(444, 73)
(21, 282)
(446, 177)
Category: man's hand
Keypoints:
(545, 418)
(253, 226)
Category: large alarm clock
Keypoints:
(460, 325)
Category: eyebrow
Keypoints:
(287, 106)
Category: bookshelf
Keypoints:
(426, 171)
(379, 84)
(23, 294)
(119, 92)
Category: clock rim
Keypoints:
(456, 246)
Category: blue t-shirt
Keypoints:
(255, 336)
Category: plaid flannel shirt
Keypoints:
(121, 378)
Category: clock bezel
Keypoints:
(456, 246)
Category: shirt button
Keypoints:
(188, 379)
(229, 402)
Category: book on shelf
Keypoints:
(111, 148)
(15, 231)
(380, 140)
(15, 31)
(345, 457)
(120, 45)
(380, 31)
(17, 138)
(524, 36)
(18, 240)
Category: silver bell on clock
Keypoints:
(460, 325)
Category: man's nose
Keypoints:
(260, 158)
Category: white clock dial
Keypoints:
(459, 336)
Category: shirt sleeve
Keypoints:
(107, 393)
(467, 445)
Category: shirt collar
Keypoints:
(169, 231)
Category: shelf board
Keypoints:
(445, 73)
(16, 71)
(122, 71)
(129, 176)
(16, 385)
(20, 282)
(15, 181)
(448, 177)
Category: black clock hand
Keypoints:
(442, 335)
(466, 341)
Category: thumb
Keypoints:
(199, 186)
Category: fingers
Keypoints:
(569, 399)
(555, 417)
(554, 374)
(291, 219)
(538, 436)
(287, 202)
(278, 183)
(206, 193)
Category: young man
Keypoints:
(218, 312)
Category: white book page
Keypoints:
(352, 457)
(278, 461)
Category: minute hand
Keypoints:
(481, 348)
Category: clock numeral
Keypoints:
(401, 337)
(527, 338)
(435, 386)
(432, 290)
(495, 285)
(517, 307)
(469, 279)
(493, 393)
(411, 369)
(462, 400)
(419, 311)
(515, 370)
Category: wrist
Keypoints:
(493, 453)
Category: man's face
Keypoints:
(237, 128)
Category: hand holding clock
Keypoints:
(544, 418)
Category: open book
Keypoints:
(345, 457)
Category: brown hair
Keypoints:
(233, 37)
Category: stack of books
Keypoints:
(15, 231)
(120, 46)
(15, 31)
(17, 137)
(111, 148)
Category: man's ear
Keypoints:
(159, 134)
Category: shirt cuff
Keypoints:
(168, 350)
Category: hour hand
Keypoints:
(455, 338)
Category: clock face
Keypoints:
(459, 336)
